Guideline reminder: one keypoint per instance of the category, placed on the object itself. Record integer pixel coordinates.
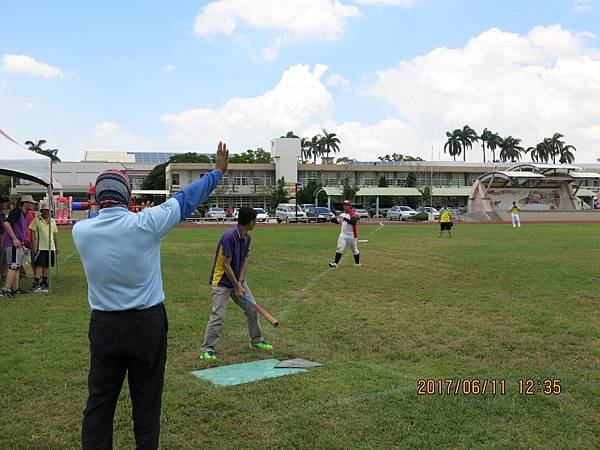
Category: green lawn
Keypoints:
(490, 303)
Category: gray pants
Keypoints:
(220, 300)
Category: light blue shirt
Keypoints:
(120, 250)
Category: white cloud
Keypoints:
(168, 68)
(27, 65)
(404, 3)
(528, 86)
(111, 135)
(338, 80)
(298, 101)
(293, 20)
(581, 6)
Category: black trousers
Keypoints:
(132, 342)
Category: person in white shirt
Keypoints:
(348, 234)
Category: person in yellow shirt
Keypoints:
(446, 221)
(514, 213)
(44, 246)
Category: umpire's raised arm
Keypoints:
(195, 193)
(162, 218)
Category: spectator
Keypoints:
(44, 245)
(14, 236)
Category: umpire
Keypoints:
(120, 251)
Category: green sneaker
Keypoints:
(264, 345)
(208, 356)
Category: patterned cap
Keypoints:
(112, 188)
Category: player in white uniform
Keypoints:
(348, 234)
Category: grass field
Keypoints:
(490, 303)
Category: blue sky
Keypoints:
(124, 67)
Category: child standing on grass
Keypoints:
(446, 221)
(514, 215)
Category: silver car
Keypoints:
(401, 213)
(216, 214)
(289, 212)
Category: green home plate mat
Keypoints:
(245, 372)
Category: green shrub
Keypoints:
(420, 217)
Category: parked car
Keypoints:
(305, 206)
(289, 212)
(401, 213)
(362, 213)
(427, 210)
(261, 215)
(236, 213)
(383, 212)
(215, 214)
(319, 214)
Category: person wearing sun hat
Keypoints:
(44, 246)
(120, 251)
(13, 242)
(348, 234)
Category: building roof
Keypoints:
(153, 158)
(402, 191)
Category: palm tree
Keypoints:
(485, 137)
(467, 135)
(453, 144)
(510, 149)
(555, 145)
(37, 148)
(305, 152)
(566, 156)
(493, 143)
(314, 147)
(330, 142)
(290, 134)
(539, 153)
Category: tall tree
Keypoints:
(411, 180)
(37, 148)
(315, 147)
(566, 155)
(454, 143)
(510, 149)
(485, 137)
(349, 191)
(382, 182)
(330, 143)
(307, 193)
(258, 156)
(539, 153)
(280, 193)
(467, 136)
(156, 178)
(493, 143)
(305, 152)
(399, 157)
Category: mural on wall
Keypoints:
(527, 199)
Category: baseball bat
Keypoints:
(269, 318)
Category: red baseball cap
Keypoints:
(347, 202)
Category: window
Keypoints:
(367, 180)
(175, 179)
(330, 179)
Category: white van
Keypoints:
(288, 212)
